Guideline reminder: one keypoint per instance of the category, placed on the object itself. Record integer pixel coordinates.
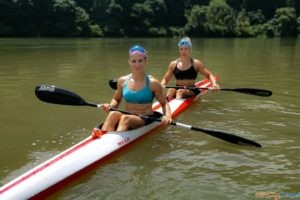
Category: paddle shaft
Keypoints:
(251, 91)
(52, 94)
(218, 134)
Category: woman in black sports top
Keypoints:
(185, 70)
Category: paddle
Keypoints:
(52, 94)
(251, 91)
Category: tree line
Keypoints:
(150, 18)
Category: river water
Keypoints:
(173, 163)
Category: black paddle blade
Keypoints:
(113, 83)
(52, 94)
(228, 137)
(252, 91)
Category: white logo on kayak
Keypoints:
(46, 88)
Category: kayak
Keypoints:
(48, 177)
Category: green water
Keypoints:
(173, 163)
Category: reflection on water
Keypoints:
(42, 150)
(174, 163)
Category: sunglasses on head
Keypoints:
(137, 48)
(184, 43)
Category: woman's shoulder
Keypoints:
(122, 79)
(173, 63)
(197, 62)
(125, 77)
(153, 81)
(152, 78)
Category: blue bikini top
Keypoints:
(143, 96)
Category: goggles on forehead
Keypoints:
(184, 43)
(136, 49)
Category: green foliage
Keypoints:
(298, 25)
(176, 31)
(149, 18)
(216, 19)
(68, 19)
(143, 18)
(220, 18)
(196, 21)
(270, 29)
(256, 17)
(95, 30)
(286, 21)
(243, 26)
(109, 15)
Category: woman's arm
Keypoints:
(116, 100)
(168, 74)
(158, 92)
(206, 73)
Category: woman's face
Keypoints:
(184, 51)
(137, 62)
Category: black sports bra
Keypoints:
(188, 74)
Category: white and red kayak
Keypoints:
(52, 174)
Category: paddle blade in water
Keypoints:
(252, 91)
(52, 94)
(228, 137)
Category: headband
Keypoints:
(136, 49)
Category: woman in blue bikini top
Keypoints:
(138, 90)
(142, 96)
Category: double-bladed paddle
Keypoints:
(251, 91)
(52, 94)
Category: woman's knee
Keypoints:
(183, 93)
(124, 123)
(180, 93)
(170, 94)
(129, 121)
(125, 120)
(171, 91)
(114, 115)
(111, 121)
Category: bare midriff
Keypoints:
(142, 109)
(185, 82)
